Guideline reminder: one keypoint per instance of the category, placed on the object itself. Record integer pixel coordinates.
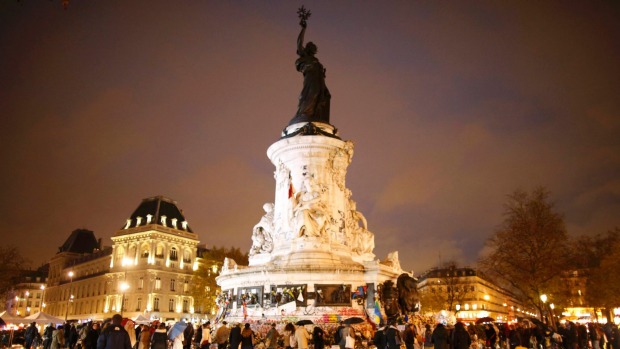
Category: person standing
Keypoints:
(159, 339)
(31, 333)
(247, 337)
(188, 335)
(58, 338)
(392, 336)
(235, 337)
(221, 336)
(460, 337)
(130, 327)
(205, 335)
(145, 337)
(289, 331)
(302, 336)
(428, 337)
(440, 336)
(318, 338)
(272, 337)
(92, 335)
(379, 339)
(409, 336)
(114, 336)
(47, 336)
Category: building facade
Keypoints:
(147, 271)
(470, 295)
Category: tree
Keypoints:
(528, 251)
(204, 288)
(597, 255)
(12, 266)
(603, 285)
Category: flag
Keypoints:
(378, 319)
(291, 190)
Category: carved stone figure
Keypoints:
(262, 235)
(314, 99)
(392, 260)
(408, 298)
(309, 211)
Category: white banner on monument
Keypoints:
(288, 307)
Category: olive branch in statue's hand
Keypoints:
(303, 14)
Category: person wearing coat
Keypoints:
(302, 336)
(317, 338)
(159, 339)
(145, 338)
(235, 337)
(392, 336)
(92, 335)
(409, 336)
(460, 337)
(247, 337)
(379, 339)
(58, 338)
(440, 336)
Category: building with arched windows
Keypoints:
(147, 271)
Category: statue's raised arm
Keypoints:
(314, 98)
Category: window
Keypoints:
(159, 252)
(172, 284)
(141, 283)
(187, 256)
(173, 254)
(171, 304)
(158, 283)
(186, 286)
(156, 304)
(185, 306)
(139, 304)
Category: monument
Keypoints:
(312, 252)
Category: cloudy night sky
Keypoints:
(451, 105)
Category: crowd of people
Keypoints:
(119, 333)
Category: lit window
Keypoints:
(171, 304)
(157, 283)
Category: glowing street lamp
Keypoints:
(70, 295)
(42, 297)
(124, 287)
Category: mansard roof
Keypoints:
(80, 241)
(158, 210)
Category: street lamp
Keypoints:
(42, 297)
(124, 287)
(70, 295)
(543, 298)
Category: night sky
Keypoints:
(452, 105)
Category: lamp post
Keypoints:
(124, 287)
(551, 307)
(42, 287)
(70, 295)
(543, 298)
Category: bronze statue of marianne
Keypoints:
(314, 98)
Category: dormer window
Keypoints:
(128, 223)
(184, 225)
(174, 223)
(149, 218)
(163, 221)
(138, 221)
